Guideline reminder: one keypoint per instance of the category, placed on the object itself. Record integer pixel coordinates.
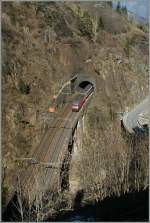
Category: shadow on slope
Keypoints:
(129, 207)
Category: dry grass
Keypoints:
(116, 161)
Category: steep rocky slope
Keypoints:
(43, 45)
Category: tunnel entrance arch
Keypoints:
(83, 80)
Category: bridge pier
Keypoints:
(77, 137)
(74, 146)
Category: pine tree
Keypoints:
(118, 7)
(124, 10)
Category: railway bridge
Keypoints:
(44, 171)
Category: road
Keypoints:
(45, 174)
(130, 119)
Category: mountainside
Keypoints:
(43, 45)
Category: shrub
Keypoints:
(100, 23)
(18, 117)
(86, 26)
(127, 47)
(23, 87)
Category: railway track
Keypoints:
(43, 149)
(51, 152)
(57, 148)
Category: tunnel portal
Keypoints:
(80, 81)
(83, 80)
(83, 84)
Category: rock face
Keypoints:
(143, 119)
(43, 45)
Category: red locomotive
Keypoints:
(81, 98)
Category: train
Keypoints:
(81, 98)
